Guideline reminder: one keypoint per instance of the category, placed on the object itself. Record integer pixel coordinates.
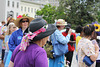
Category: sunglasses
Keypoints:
(25, 21)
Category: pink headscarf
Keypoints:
(30, 35)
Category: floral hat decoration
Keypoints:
(97, 27)
(61, 22)
(19, 17)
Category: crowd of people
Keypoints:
(22, 43)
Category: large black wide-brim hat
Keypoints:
(37, 24)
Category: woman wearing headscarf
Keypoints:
(57, 36)
(30, 52)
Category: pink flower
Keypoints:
(19, 16)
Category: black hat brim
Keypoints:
(50, 30)
(35, 25)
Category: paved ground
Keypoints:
(74, 62)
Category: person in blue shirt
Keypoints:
(59, 61)
(22, 22)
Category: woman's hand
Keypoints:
(70, 31)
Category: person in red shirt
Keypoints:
(71, 44)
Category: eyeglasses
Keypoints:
(25, 21)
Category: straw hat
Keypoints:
(19, 17)
(10, 19)
(61, 22)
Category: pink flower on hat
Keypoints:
(19, 16)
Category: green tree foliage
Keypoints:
(80, 12)
(98, 13)
(98, 16)
(75, 12)
(48, 13)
